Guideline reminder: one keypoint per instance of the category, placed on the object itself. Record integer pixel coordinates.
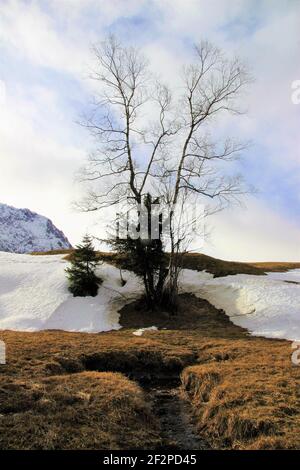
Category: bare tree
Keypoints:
(117, 125)
(154, 140)
(212, 85)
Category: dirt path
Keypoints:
(174, 413)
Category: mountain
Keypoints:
(23, 231)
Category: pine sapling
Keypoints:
(82, 277)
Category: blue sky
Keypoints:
(45, 54)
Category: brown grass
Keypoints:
(245, 390)
(276, 266)
(197, 261)
(218, 267)
(249, 401)
(52, 252)
(87, 410)
(65, 390)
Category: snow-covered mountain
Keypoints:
(23, 231)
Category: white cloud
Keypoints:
(56, 33)
(255, 233)
(40, 147)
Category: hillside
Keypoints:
(34, 295)
(24, 231)
(200, 261)
(199, 378)
(276, 266)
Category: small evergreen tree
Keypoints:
(81, 275)
(146, 258)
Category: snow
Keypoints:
(141, 331)
(34, 296)
(290, 276)
(267, 306)
(2, 353)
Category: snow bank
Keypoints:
(34, 296)
(266, 305)
(141, 331)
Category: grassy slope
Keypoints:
(251, 402)
(245, 390)
(87, 410)
(276, 266)
(65, 390)
(199, 261)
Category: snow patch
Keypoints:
(141, 331)
(34, 296)
(266, 305)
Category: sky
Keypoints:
(45, 57)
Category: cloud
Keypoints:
(45, 50)
(254, 233)
(58, 33)
(37, 162)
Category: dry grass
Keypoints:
(65, 390)
(276, 266)
(34, 355)
(53, 252)
(245, 390)
(195, 261)
(249, 401)
(87, 410)
(218, 267)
